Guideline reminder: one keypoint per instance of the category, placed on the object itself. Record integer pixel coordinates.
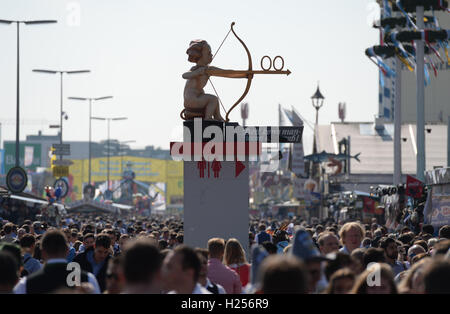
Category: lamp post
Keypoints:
(18, 74)
(90, 118)
(317, 102)
(61, 84)
(109, 121)
(420, 93)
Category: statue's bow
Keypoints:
(249, 75)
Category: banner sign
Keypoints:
(24, 155)
(414, 187)
(369, 205)
(28, 155)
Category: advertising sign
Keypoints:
(440, 214)
(29, 160)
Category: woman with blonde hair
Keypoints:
(234, 257)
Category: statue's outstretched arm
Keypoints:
(214, 71)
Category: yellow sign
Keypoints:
(147, 170)
(60, 171)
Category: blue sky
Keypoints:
(136, 52)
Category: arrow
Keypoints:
(243, 73)
(239, 168)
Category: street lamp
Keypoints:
(61, 82)
(18, 74)
(317, 102)
(90, 118)
(109, 121)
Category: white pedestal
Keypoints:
(216, 206)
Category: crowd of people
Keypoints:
(147, 255)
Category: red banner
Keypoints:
(414, 187)
(369, 205)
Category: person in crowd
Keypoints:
(377, 279)
(220, 273)
(262, 235)
(390, 247)
(142, 263)
(9, 272)
(358, 260)
(28, 244)
(282, 274)
(444, 232)
(88, 242)
(328, 242)
(181, 271)
(234, 257)
(436, 276)
(351, 235)
(115, 278)
(55, 274)
(9, 236)
(341, 282)
(203, 276)
(373, 255)
(412, 281)
(413, 251)
(95, 259)
(270, 247)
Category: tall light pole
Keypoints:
(420, 82)
(317, 102)
(61, 83)
(18, 74)
(90, 118)
(109, 121)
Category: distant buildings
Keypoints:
(35, 151)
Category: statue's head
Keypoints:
(199, 51)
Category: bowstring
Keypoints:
(209, 79)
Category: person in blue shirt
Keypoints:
(95, 259)
(28, 243)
